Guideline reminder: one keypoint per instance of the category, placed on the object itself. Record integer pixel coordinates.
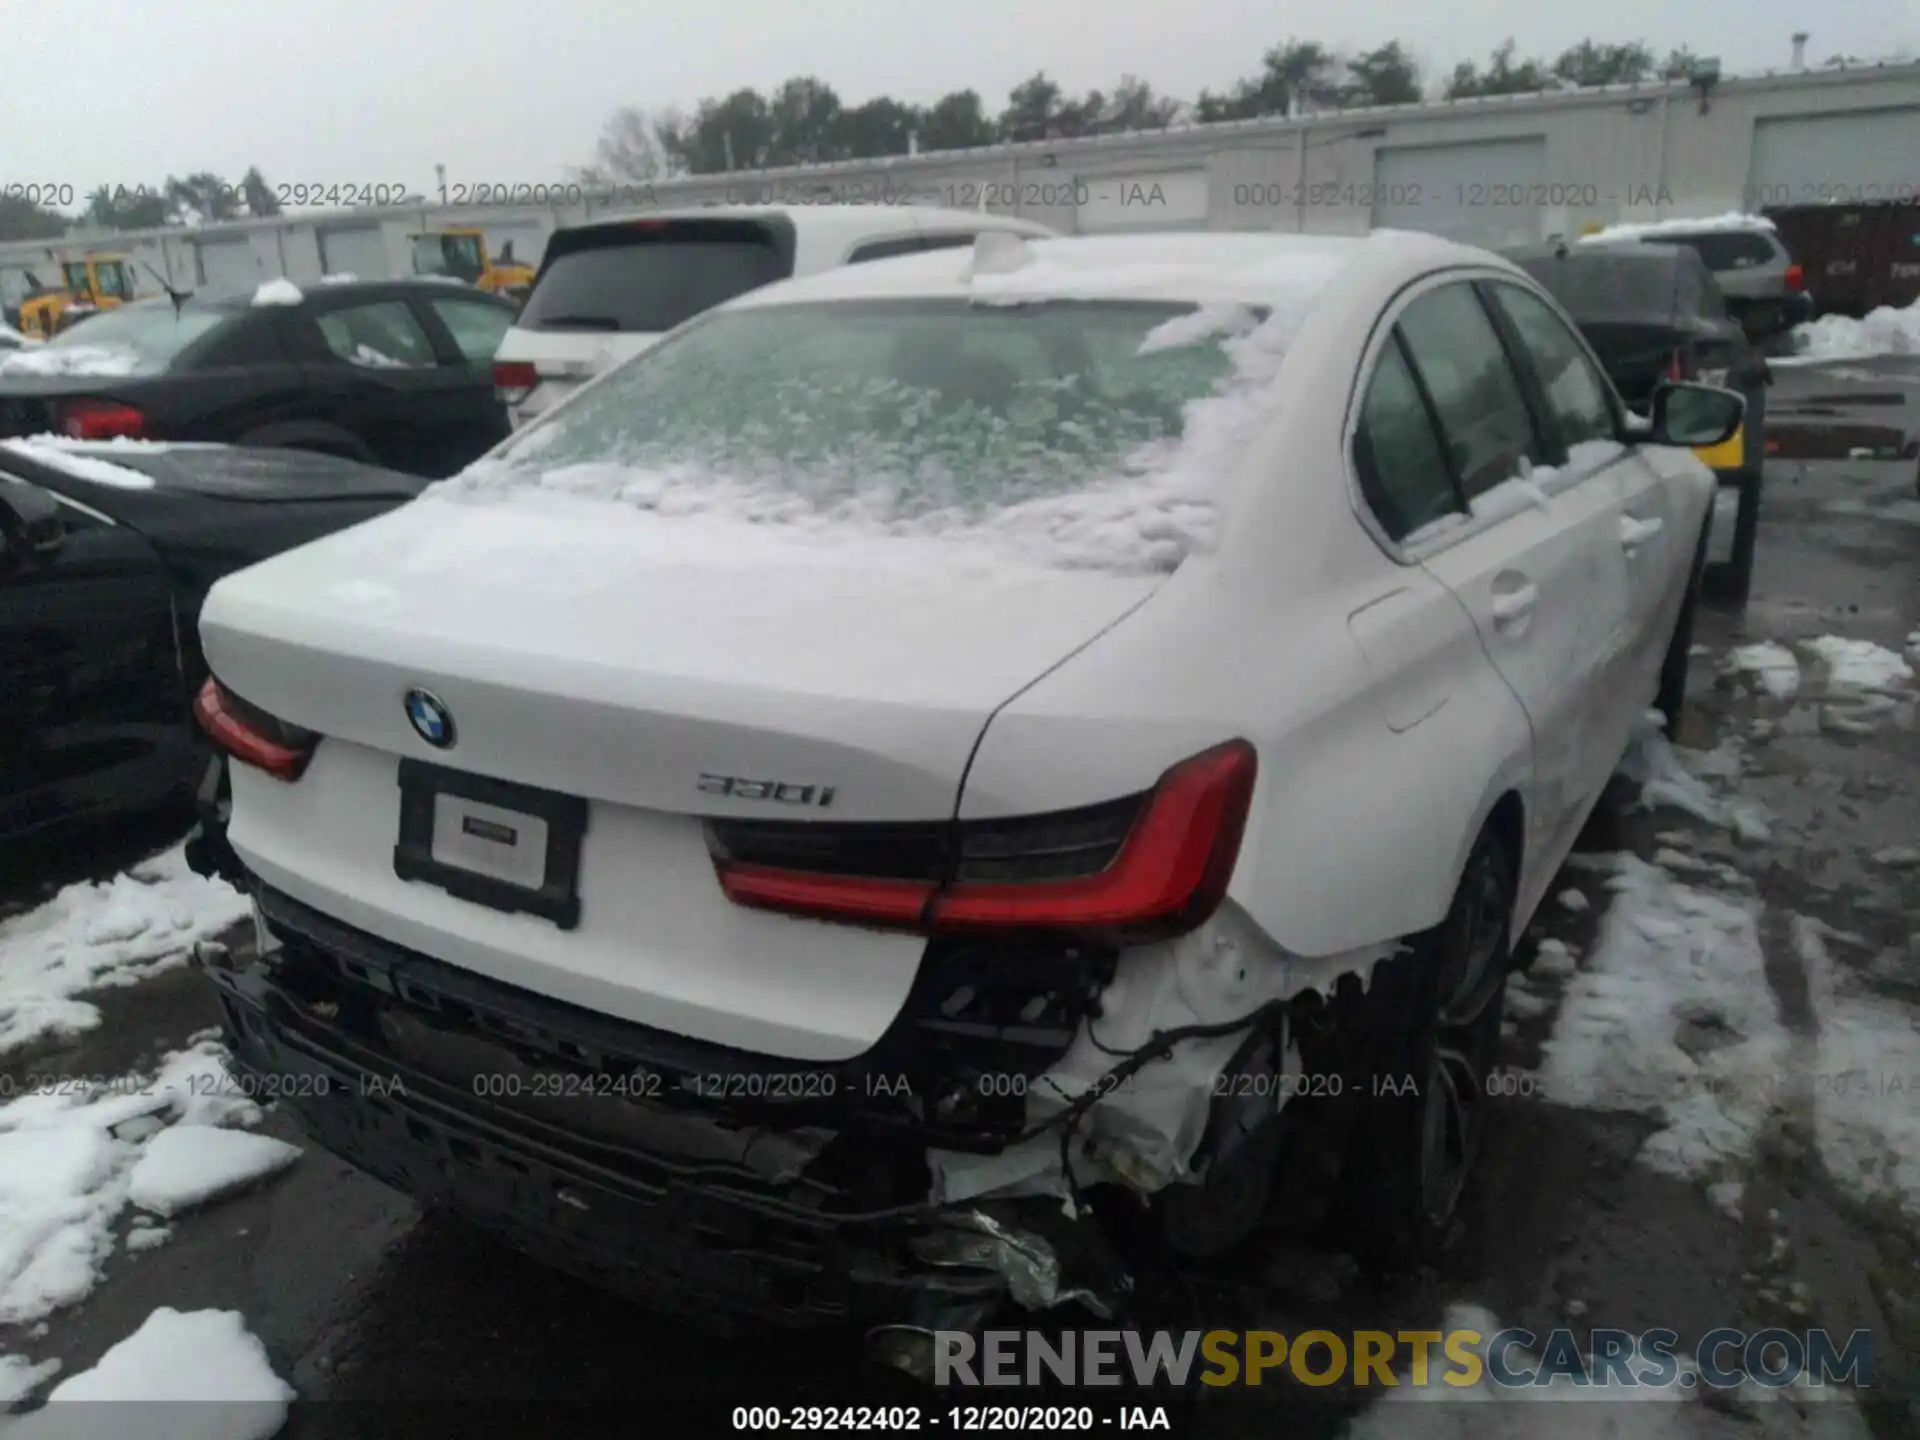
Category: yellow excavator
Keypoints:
(460, 253)
(99, 282)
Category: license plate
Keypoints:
(509, 847)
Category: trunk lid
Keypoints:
(597, 651)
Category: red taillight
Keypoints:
(513, 380)
(1796, 278)
(1676, 368)
(1169, 874)
(251, 735)
(101, 420)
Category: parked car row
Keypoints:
(918, 742)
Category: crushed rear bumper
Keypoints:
(455, 1090)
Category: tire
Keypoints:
(1671, 698)
(1436, 1013)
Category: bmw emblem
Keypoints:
(431, 720)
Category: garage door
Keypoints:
(228, 265)
(1156, 200)
(1480, 193)
(1849, 158)
(361, 252)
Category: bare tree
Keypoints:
(630, 147)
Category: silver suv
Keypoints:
(1764, 285)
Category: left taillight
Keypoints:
(101, 420)
(1796, 277)
(1128, 872)
(252, 736)
(513, 380)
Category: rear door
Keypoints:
(606, 292)
(1584, 423)
(1538, 566)
(467, 330)
(92, 707)
(378, 376)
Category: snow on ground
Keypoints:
(19, 1376)
(1771, 664)
(1859, 664)
(279, 292)
(70, 360)
(1866, 1080)
(93, 935)
(192, 1164)
(1884, 331)
(1664, 780)
(1436, 1410)
(72, 1157)
(84, 467)
(195, 1375)
(1671, 1016)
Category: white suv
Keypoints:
(609, 289)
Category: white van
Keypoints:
(609, 289)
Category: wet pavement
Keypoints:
(389, 1322)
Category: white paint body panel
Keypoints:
(922, 685)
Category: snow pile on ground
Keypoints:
(1653, 763)
(1866, 1081)
(1671, 1015)
(1653, 229)
(192, 1164)
(198, 1375)
(1859, 664)
(70, 1157)
(59, 1193)
(1884, 331)
(94, 935)
(70, 360)
(79, 465)
(1772, 666)
(1437, 1410)
(279, 292)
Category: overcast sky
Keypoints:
(359, 92)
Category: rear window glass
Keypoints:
(1728, 250)
(647, 281)
(1070, 423)
(140, 339)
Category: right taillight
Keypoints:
(252, 736)
(1128, 872)
(1796, 278)
(1676, 366)
(100, 420)
(513, 380)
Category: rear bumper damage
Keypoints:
(957, 1165)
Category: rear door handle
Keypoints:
(1635, 533)
(1515, 605)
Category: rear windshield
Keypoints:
(1629, 287)
(921, 416)
(646, 280)
(1728, 249)
(141, 339)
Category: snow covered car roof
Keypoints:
(827, 221)
(1260, 270)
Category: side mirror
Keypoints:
(1696, 416)
(32, 521)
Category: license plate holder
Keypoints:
(509, 847)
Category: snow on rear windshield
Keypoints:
(1081, 431)
(133, 340)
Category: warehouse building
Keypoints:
(1495, 170)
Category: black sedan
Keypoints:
(393, 373)
(106, 552)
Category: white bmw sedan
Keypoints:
(939, 743)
